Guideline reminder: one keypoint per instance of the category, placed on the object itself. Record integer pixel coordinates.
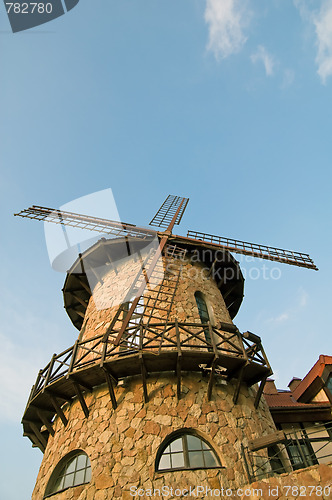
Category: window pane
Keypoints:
(59, 484)
(196, 459)
(329, 383)
(177, 460)
(68, 480)
(71, 467)
(176, 445)
(88, 474)
(79, 477)
(81, 461)
(165, 462)
(194, 443)
(202, 308)
(209, 459)
(295, 455)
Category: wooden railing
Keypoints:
(154, 338)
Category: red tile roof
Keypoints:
(287, 400)
(315, 372)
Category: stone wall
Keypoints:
(312, 482)
(122, 443)
(104, 304)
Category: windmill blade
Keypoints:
(167, 211)
(256, 250)
(106, 226)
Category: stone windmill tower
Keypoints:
(160, 389)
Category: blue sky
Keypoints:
(227, 102)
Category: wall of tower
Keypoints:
(122, 444)
(108, 294)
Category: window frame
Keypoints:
(183, 433)
(199, 296)
(61, 466)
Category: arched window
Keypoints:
(186, 451)
(203, 314)
(72, 470)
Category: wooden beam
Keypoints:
(235, 372)
(58, 409)
(84, 285)
(230, 305)
(35, 441)
(228, 327)
(39, 435)
(109, 382)
(178, 361)
(260, 392)
(45, 421)
(265, 441)
(144, 374)
(211, 270)
(229, 291)
(178, 374)
(211, 379)
(85, 386)
(81, 398)
(81, 301)
(43, 408)
(246, 466)
(71, 308)
(59, 395)
(238, 385)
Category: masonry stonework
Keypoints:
(104, 302)
(122, 443)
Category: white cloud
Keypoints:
(281, 318)
(321, 20)
(262, 55)
(226, 20)
(323, 26)
(300, 302)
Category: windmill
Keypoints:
(94, 449)
(145, 333)
(169, 214)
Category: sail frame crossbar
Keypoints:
(167, 211)
(256, 250)
(105, 226)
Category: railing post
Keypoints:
(246, 466)
(179, 360)
(240, 337)
(73, 357)
(300, 450)
(34, 387)
(213, 340)
(103, 354)
(49, 371)
(141, 333)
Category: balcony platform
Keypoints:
(181, 347)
